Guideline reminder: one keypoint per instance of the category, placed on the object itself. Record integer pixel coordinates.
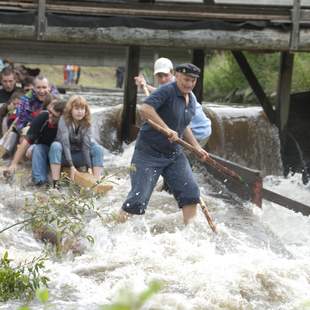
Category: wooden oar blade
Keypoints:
(250, 189)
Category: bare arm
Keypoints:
(190, 138)
(150, 88)
(141, 82)
(19, 154)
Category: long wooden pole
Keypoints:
(188, 146)
(191, 148)
(207, 215)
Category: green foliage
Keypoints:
(301, 78)
(224, 81)
(61, 216)
(130, 301)
(20, 282)
(221, 77)
(42, 295)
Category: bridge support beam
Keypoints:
(283, 93)
(128, 131)
(41, 24)
(283, 109)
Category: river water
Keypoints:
(258, 260)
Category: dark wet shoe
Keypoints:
(39, 183)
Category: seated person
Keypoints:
(8, 83)
(74, 146)
(8, 87)
(33, 102)
(41, 134)
(28, 83)
(9, 110)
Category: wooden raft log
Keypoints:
(87, 180)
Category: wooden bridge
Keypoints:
(90, 30)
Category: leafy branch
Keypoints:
(22, 281)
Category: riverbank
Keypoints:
(93, 77)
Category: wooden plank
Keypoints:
(294, 40)
(286, 202)
(252, 190)
(165, 12)
(249, 190)
(263, 2)
(41, 22)
(160, 10)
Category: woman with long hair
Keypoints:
(74, 146)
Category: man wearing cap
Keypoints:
(171, 106)
(163, 72)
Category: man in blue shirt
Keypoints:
(163, 72)
(171, 106)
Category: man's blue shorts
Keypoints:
(149, 164)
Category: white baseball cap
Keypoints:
(163, 65)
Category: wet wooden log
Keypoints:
(244, 39)
(87, 180)
(253, 189)
(286, 202)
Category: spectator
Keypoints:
(74, 146)
(33, 102)
(8, 82)
(42, 133)
(119, 73)
(8, 110)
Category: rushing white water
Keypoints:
(258, 260)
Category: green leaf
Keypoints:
(154, 287)
(42, 295)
